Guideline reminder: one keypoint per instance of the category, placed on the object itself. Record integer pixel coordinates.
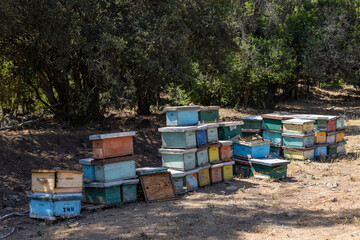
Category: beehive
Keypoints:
(253, 122)
(228, 171)
(340, 149)
(320, 136)
(201, 135)
(202, 156)
(191, 180)
(112, 145)
(56, 181)
(297, 140)
(298, 125)
(330, 137)
(340, 123)
(214, 155)
(179, 180)
(129, 190)
(216, 173)
(182, 115)
(212, 132)
(178, 137)
(252, 147)
(339, 135)
(179, 159)
(204, 176)
(149, 170)
(209, 114)
(225, 150)
(275, 151)
(332, 149)
(298, 154)
(242, 168)
(274, 137)
(103, 193)
(320, 150)
(322, 122)
(229, 130)
(269, 168)
(250, 132)
(272, 121)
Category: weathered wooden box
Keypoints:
(225, 150)
(269, 168)
(274, 137)
(252, 147)
(298, 154)
(272, 121)
(103, 193)
(214, 154)
(242, 168)
(178, 137)
(204, 176)
(56, 181)
(320, 136)
(182, 115)
(330, 137)
(276, 151)
(253, 122)
(298, 140)
(216, 173)
(340, 149)
(51, 206)
(340, 136)
(320, 150)
(212, 132)
(209, 114)
(129, 190)
(191, 180)
(229, 130)
(298, 125)
(228, 171)
(251, 132)
(107, 170)
(202, 156)
(112, 145)
(201, 136)
(340, 123)
(179, 181)
(178, 159)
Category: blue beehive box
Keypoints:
(252, 147)
(52, 206)
(201, 136)
(320, 151)
(298, 140)
(108, 170)
(182, 115)
(178, 137)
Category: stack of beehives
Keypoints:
(110, 175)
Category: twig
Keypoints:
(14, 214)
(7, 234)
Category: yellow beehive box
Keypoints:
(204, 176)
(320, 136)
(340, 136)
(214, 155)
(298, 154)
(227, 170)
(56, 181)
(298, 125)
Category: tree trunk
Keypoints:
(142, 96)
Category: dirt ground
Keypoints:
(317, 200)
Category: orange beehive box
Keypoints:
(225, 150)
(112, 145)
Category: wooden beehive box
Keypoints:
(340, 149)
(209, 114)
(298, 154)
(178, 159)
(56, 181)
(204, 176)
(158, 187)
(269, 168)
(225, 150)
(191, 180)
(129, 190)
(272, 121)
(228, 171)
(298, 126)
(339, 135)
(340, 123)
(201, 136)
(274, 137)
(250, 132)
(214, 153)
(252, 147)
(320, 150)
(216, 173)
(179, 181)
(330, 137)
(320, 136)
(242, 168)
(202, 156)
(229, 130)
(253, 122)
(298, 140)
(103, 193)
(212, 132)
(182, 115)
(178, 137)
(112, 145)
(50, 206)
(107, 170)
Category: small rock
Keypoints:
(325, 183)
(231, 188)
(335, 185)
(291, 214)
(162, 234)
(334, 199)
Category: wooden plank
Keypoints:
(158, 187)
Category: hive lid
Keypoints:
(252, 141)
(242, 161)
(103, 185)
(298, 135)
(226, 142)
(217, 165)
(196, 170)
(40, 194)
(202, 148)
(201, 127)
(181, 108)
(342, 142)
(178, 129)
(176, 173)
(229, 124)
(297, 121)
(111, 135)
(269, 161)
(177, 151)
(91, 161)
(212, 125)
(229, 163)
(208, 108)
(214, 145)
(56, 171)
(85, 161)
(130, 181)
(315, 117)
(330, 133)
(54, 197)
(251, 130)
(321, 145)
(204, 167)
(253, 117)
(299, 149)
(150, 170)
(278, 116)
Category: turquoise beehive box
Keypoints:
(252, 122)
(129, 190)
(179, 159)
(273, 121)
(202, 156)
(179, 181)
(182, 115)
(212, 132)
(103, 193)
(252, 147)
(178, 137)
(274, 137)
(209, 114)
(302, 141)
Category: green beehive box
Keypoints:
(129, 190)
(178, 137)
(332, 150)
(209, 114)
(267, 168)
(179, 159)
(212, 132)
(229, 130)
(272, 121)
(252, 122)
(294, 140)
(103, 193)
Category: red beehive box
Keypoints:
(225, 150)
(112, 145)
(331, 124)
(216, 173)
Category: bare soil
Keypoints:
(319, 199)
